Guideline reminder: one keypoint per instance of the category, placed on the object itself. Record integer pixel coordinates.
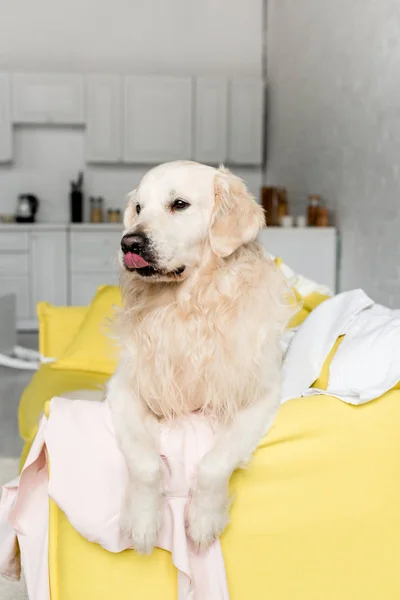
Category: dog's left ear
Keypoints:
(237, 218)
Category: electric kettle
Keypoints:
(27, 208)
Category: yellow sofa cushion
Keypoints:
(58, 326)
(311, 519)
(93, 348)
(45, 384)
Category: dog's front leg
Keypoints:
(208, 511)
(135, 430)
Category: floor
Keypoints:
(12, 384)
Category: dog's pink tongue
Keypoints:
(134, 261)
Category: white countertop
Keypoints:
(60, 226)
(94, 226)
(119, 227)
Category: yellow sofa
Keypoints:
(315, 515)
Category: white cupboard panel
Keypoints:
(49, 268)
(103, 118)
(309, 251)
(5, 119)
(14, 263)
(211, 120)
(158, 119)
(85, 285)
(48, 98)
(95, 251)
(246, 121)
(13, 240)
(20, 287)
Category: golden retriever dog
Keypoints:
(203, 312)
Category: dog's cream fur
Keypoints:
(206, 340)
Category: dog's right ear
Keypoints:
(130, 211)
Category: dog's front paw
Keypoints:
(141, 517)
(207, 516)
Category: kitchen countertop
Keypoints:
(60, 226)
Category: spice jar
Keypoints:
(113, 215)
(96, 210)
(313, 209)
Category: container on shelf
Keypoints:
(96, 209)
(114, 215)
(314, 201)
(76, 199)
(323, 217)
(283, 206)
(301, 221)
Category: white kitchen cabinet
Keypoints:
(6, 150)
(103, 119)
(93, 259)
(33, 266)
(45, 98)
(308, 251)
(211, 120)
(158, 119)
(48, 266)
(94, 250)
(246, 121)
(14, 268)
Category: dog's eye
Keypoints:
(179, 204)
(138, 209)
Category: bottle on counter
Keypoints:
(96, 209)
(323, 217)
(314, 202)
(101, 209)
(275, 203)
(76, 199)
(269, 202)
(113, 215)
(283, 206)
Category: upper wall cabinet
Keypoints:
(103, 118)
(246, 122)
(211, 120)
(48, 99)
(158, 119)
(5, 119)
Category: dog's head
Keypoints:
(178, 210)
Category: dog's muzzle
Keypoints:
(137, 256)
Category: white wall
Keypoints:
(156, 36)
(334, 125)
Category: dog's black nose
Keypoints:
(133, 243)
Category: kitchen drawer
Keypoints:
(12, 240)
(95, 251)
(20, 287)
(85, 285)
(13, 264)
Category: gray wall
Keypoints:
(334, 125)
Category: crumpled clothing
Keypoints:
(365, 365)
(87, 481)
